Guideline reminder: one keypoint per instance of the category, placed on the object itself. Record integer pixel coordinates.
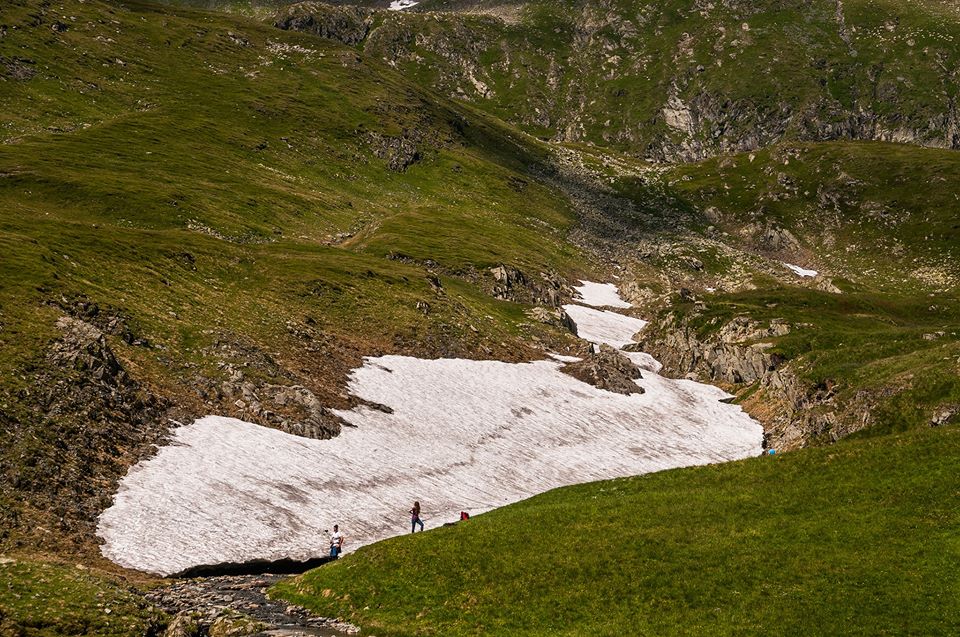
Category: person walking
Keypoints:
(415, 518)
(336, 542)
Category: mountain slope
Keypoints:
(869, 342)
(203, 214)
(851, 539)
(678, 79)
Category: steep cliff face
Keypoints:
(681, 80)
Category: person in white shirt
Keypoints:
(336, 542)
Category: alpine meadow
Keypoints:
(642, 315)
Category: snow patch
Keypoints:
(600, 295)
(802, 272)
(644, 361)
(563, 358)
(463, 434)
(400, 5)
(602, 327)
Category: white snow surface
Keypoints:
(645, 361)
(464, 435)
(600, 295)
(802, 272)
(602, 327)
(400, 5)
(563, 358)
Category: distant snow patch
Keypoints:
(601, 327)
(463, 435)
(600, 295)
(563, 358)
(803, 272)
(400, 5)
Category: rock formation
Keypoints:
(607, 369)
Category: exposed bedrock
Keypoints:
(290, 408)
(607, 369)
(511, 284)
(83, 422)
(346, 24)
(738, 356)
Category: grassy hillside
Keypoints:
(682, 79)
(197, 208)
(50, 599)
(873, 216)
(222, 198)
(879, 222)
(854, 208)
(859, 538)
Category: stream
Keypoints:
(213, 597)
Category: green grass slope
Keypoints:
(52, 600)
(880, 222)
(683, 79)
(223, 186)
(859, 538)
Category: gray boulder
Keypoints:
(608, 369)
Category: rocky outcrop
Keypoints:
(293, 409)
(399, 152)
(945, 415)
(776, 239)
(511, 284)
(736, 354)
(346, 24)
(81, 424)
(554, 316)
(795, 414)
(108, 320)
(15, 68)
(740, 355)
(607, 369)
(253, 386)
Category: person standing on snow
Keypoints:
(415, 518)
(336, 542)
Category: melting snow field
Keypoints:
(802, 272)
(463, 435)
(599, 295)
(598, 326)
(400, 5)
